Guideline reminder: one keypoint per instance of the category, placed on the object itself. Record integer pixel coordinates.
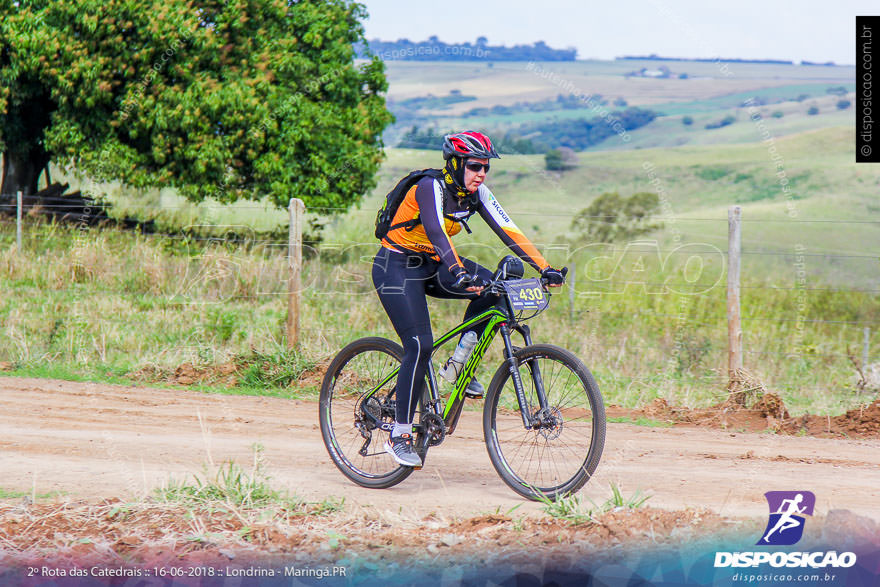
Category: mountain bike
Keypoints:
(543, 417)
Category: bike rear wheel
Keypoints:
(559, 455)
(355, 444)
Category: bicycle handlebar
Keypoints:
(496, 288)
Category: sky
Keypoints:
(753, 29)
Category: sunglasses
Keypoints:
(476, 167)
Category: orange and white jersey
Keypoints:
(499, 221)
(441, 214)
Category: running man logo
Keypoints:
(786, 524)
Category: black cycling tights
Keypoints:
(402, 282)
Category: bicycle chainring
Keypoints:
(435, 427)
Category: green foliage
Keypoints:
(691, 351)
(232, 486)
(813, 110)
(843, 104)
(433, 49)
(579, 134)
(712, 172)
(234, 99)
(777, 114)
(687, 120)
(560, 102)
(612, 218)
(431, 139)
(570, 509)
(726, 121)
(559, 159)
(273, 369)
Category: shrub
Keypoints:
(843, 104)
(814, 110)
(560, 159)
(611, 218)
(687, 120)
(726, 121)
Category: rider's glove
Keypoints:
(554, 276)
(462, 279)
(465, 280)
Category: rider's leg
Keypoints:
(441, 286)
(400, 282)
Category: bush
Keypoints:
(843, 104)
(726, 121)
(687, 120)
(814, 110)
(560, 159)
(778, 114)
(612, 218)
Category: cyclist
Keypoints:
(418, 259)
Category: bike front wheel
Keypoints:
(354, 441)
(560, 451)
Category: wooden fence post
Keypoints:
(734, 328)
(294, 263)
(18, 223)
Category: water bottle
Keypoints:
(453, 366)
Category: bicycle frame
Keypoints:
(496, 320)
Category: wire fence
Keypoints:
(583, 287)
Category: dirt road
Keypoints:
(89, 440)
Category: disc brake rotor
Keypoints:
(550, 423)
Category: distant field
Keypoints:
(710, 92)
(510, 82)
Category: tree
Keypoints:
(687, 120)
(612, 218)
(560, 159)
(813, 110)
(843, 104)
(218, 98)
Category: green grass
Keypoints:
(232, 487)
(8, 494)
(570, 509)
(640, 422)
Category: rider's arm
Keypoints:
(499, 221)
(429, 197)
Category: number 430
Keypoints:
(534, 294)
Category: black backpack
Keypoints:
(394, 199)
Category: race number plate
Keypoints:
(526, 294)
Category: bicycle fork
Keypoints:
(529, 422)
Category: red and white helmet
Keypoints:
(469, 143)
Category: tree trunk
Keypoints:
(20, 173)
